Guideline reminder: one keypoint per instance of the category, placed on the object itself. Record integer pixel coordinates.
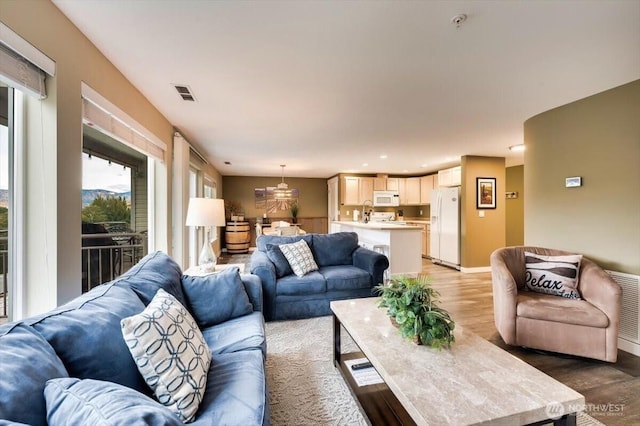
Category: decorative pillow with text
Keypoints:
(556, 275)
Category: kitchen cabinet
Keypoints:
(412, 191)
(385, 184)
(355, 190)
(402, 191)
(366, 189)
(424, 237)
(427, 184)
(450, 177)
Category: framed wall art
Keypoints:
(485, 193)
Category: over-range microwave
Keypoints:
(386, 198)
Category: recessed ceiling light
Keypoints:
(383, 156)
(405, 171)
(365, 164)
(423, 165)
(517, 148)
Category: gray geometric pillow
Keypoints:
(556, 275)
(300, 258)
(170, 353)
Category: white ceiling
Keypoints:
(325, 86)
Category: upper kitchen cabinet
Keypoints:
(385, 184)
(412, 191)
(427, 184)
(450, 177)
(355, 190)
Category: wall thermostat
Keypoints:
(573, 182)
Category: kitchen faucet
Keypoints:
(366, 214)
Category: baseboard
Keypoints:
(475, 270)
(627, 346)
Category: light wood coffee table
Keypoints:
(473, 382)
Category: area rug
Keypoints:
(304, 386)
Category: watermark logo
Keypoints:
(554, 410)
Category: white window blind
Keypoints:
(23, 66)
(101, 114)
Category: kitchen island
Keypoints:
(403, 242)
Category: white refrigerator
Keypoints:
(445, 226)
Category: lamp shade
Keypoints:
(205, 212)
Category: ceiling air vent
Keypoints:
(184, 92)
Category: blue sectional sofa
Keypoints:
(345, 271)
(72, 365)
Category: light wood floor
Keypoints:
(611, 391)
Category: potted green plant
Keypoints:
(294, 211)
(411, 305)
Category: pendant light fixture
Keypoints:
(282, 191)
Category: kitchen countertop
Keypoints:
(377, 225)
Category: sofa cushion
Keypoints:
(556, 275)
(300, 258)
(216, 298)
(155, 270)
(170, 353)
(345, 278)
(85, 334)
(548, 307)
(238, 334)
(71, 401)
(236, 394)
(292, 285)
(279, 261)
(27, 361)
(263, 240)
(334, 249)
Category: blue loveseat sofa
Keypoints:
(72, 365)
(345, 271)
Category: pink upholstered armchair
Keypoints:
(587, 327)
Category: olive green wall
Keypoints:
(53, 189)
(515, 206)
(480, 236)
(312, 201)
(598, 139)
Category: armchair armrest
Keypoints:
(371, 261)
(598, 288)
(505, 296)
(266, 271)
(253, 287)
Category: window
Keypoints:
(5, 177)
(114, 208)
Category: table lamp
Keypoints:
(206, 212)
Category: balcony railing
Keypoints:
(4, 284)
(105, 256)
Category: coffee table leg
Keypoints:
(336, 341)
(566, 420)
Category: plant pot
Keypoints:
(417, 340)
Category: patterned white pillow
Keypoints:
(300, 258)
(556, 275)
(170, 353)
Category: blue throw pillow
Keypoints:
(154, 271)
(27, 361)
(334, 249)
(279, 261)
(216, 298)
(73, 401)
(85, 334)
